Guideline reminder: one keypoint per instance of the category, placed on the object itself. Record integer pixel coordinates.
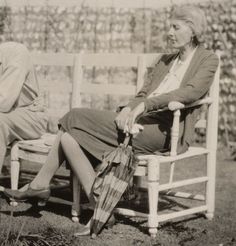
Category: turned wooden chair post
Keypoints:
(15, 166)
(153, 184)
(174, 142)
(211, 144)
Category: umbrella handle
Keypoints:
(127, 139)
(135, 130)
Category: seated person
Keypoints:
(21, 112)
(184, 76)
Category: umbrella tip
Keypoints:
(93, 236)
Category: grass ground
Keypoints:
(52, 225)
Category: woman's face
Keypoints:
(179, 34)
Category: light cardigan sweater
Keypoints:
(195, 84)
(18, 82)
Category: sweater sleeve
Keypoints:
(194, 89)
(12, 79)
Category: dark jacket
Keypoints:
(195, 84)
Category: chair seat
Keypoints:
(41, 145)
(192, 151)
(141, 170)
(35, 150)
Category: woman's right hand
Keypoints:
(121, 118)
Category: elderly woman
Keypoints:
(85, 134)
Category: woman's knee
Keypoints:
(67, 140)
(64, 139)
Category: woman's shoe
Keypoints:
(86, 231)
(41, 194)
(83, 231)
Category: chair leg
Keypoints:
(210, 187)
(15, 166)
(15, 169)
(75, 211)
(137, 180)
(153, 183)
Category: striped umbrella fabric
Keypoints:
(111, 182)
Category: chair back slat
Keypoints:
(108, 89)
(52, 59)
(118, 60)
(77, 81)
(141, 72)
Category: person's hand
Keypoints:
(121, 118)
(132, 117)
(136, 129)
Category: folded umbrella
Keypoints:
(117, 169)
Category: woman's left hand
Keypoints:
(133, 116)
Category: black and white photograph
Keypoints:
(118, 122)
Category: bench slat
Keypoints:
(111, 89)
(53, 59)
(117, 60)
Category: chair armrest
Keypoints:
(174, 105)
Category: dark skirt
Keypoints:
(96, 132)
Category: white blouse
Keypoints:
(174, 77)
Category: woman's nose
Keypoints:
(170, 32)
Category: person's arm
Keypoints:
(12, 80)
(196, 88)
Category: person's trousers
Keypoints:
(20, 124)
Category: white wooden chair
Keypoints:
(149, 165)
(36, 150)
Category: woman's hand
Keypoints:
(121, 118)
(132, 117)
